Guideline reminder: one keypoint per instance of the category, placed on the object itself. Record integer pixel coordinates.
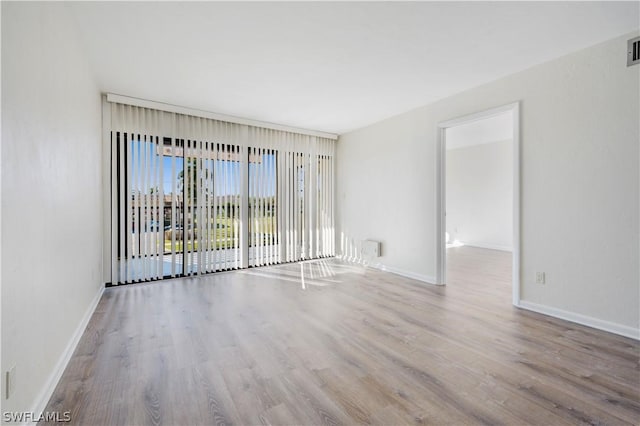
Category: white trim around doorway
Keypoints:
(441, 269)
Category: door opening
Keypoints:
(478, 196)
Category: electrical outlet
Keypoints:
(10, 382)
(540, 278)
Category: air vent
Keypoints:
(633, 51)
(370, 249)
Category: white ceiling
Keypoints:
(492, 129)
(329, 66)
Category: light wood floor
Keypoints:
(352, 346)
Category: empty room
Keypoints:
(306, 213)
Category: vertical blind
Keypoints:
(193, 195)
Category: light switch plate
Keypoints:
(10, 382)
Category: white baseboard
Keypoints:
(489, 246)
(47, 391)
(407, 274)
(611, 327)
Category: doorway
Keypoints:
(476, 207)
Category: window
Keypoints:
(192, 195)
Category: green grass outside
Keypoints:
(225, 234)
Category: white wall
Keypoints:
(51, 194)
(580, 183)
(480, 194)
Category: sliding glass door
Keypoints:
(202, 211)
(194, 196)
(139, 207)
(264, 235)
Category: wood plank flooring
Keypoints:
(346, 345)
